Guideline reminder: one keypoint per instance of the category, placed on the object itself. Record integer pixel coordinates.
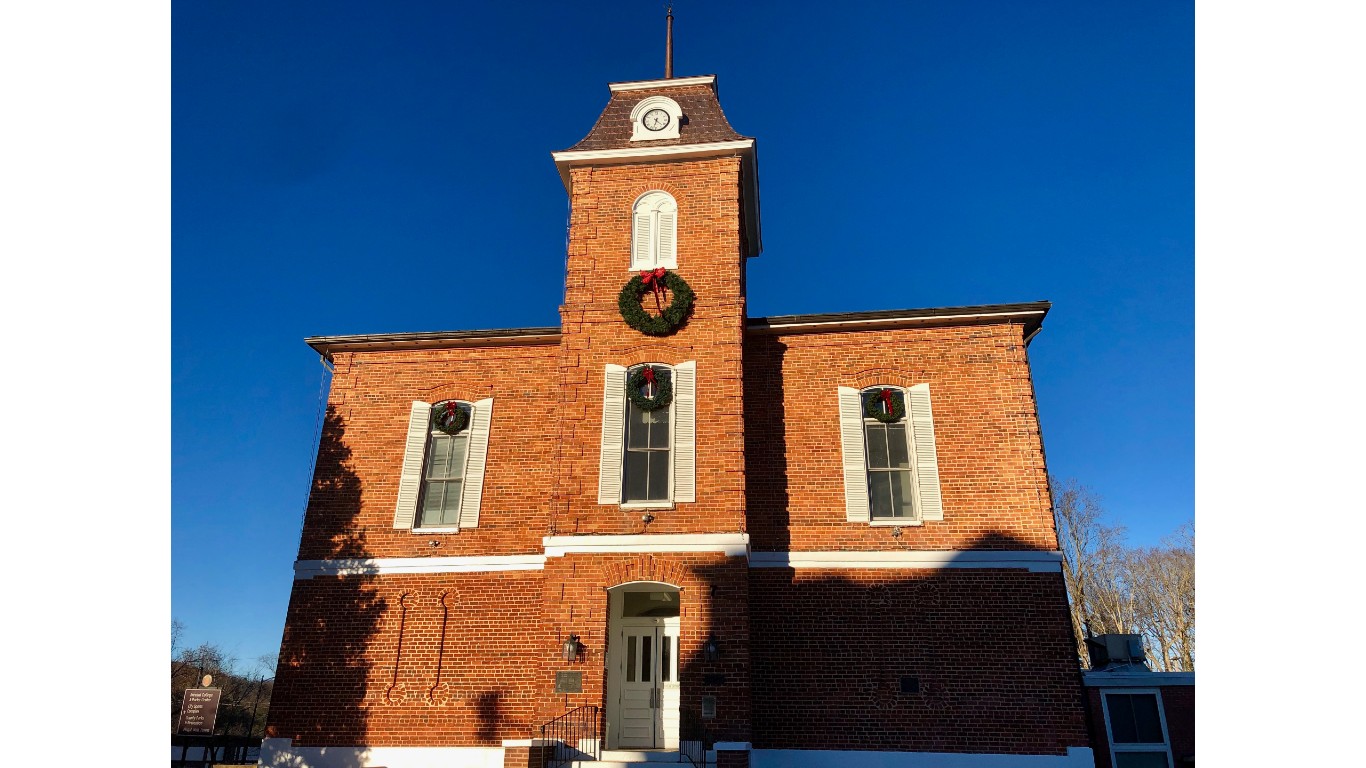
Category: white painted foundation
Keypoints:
(280, 753)
(1076, 757)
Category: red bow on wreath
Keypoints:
(887, 399)
(655, 280)
(649, 374)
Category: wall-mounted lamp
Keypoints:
(572, 648)
(711, 651)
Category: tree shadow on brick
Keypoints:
(952, 659)
(323, 676)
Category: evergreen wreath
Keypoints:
(449, 418)
(671, 318)
(893, 399)
(648, 374)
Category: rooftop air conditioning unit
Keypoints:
(1116, 650)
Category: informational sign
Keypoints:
(568, 682)
(199, 710)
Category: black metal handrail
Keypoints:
(694, 738)
(575, 735)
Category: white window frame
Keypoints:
(413, 479)
(1166, 746)
(418, 527)
(653, 204)
(665, 503)
(682, 438)
(916, 518)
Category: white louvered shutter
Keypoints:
(640, 242)
(476, 456)
(613, 434)
(929, 502)
(410, 482)
(685, 431)
(851, 445)
(668, 235)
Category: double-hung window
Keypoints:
(441, 485)
(891, 464)
(648, 455)
(1137, 729)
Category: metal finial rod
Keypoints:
(669, 45)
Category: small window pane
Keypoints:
(880, 493)
(1141, 760)
(665, 656)
(637, 427)
(645, 659)
(659, 476)
(638, 604)
(441, 503)
(1134, 718)
(877, 445)
(901, 494)
(631, 659)
(897, 455)
(637, 467)
(659, 428)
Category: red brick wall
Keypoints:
(1178, 707)
(360, 459)
(991, 465)
(992, 651)
(709, 258)
(454, 668)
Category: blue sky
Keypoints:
(330, 162)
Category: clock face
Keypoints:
(656, 119)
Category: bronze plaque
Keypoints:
(199, 710)
(568, 682)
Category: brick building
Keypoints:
(751, 541)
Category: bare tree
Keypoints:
(1093, 563)
(1114, 589)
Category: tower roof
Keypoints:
(704, 121)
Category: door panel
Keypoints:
(649, 688)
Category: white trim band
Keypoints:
(1034, 561)
(675, 150)
(730, 544)
(672, 82)
(307, 569)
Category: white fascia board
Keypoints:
(1102, 679)
(307, 569)
(1032, 560)
(730, 544)
(566, 159)
(672, 82)
(1076, 757)
(888, 321)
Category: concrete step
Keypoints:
(639, 756)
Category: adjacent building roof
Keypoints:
(1030, 314)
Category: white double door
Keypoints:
(648, 684)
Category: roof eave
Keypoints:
(746, 148)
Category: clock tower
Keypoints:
(651, 500)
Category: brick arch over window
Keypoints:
(893, 377)
(645, 568)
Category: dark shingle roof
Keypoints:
(703, 121)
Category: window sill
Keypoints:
(454, 529)
(648, 505)
(896, 523)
